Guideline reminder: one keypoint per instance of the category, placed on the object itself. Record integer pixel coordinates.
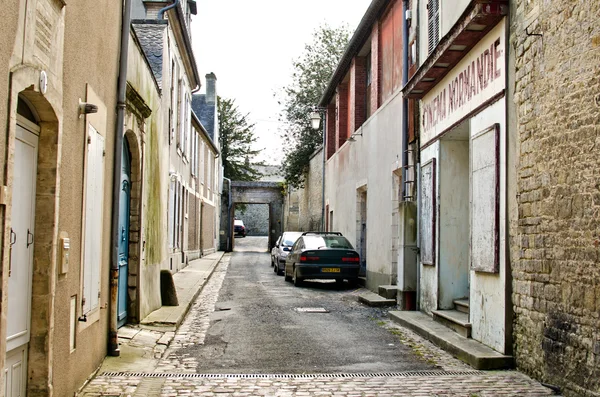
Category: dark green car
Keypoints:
(322, 255)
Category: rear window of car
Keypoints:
(316, 242)
(290, 238)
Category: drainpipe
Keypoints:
(228, 245)
(323, 171)
(161, 12)
(404, 99)
(113, 343)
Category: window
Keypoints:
(173, 108)
(94, 197)
(194, 149)
(181, 121)
(433, 22)
(187, 127)
(171, 214)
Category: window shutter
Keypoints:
(171, 213)
(433, 13)
(94, 204)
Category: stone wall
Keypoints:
(555, 242)
(256, 219)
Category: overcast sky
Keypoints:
(250, 46)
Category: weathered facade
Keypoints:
(364, 148)
(555, 113)
(303, 207)
(56, 194)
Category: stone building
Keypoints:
(303, 207)
(555, 113)
(56, 191)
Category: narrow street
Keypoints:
(250, 333)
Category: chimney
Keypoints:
(211, 88)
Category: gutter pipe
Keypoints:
(113, 343)
(323, 171)
(404, 99)
(228, 247)
(161, 12)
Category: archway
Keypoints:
(253, 193)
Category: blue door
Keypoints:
(124, 235)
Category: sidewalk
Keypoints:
(142, 345)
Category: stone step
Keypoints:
(372, 299)
(455, 320)
(474, 353)
(388, 291)
(462, 305)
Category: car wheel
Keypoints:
(297, 280)
(353, 282)
(286, 277)
(275, 269)
(279, 271)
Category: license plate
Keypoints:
(330, 270)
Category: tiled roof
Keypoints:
(150, 37)
(205, 112)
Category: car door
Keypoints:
(275, 250)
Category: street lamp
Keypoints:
(315, 120)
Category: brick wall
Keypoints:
(358, 86)
(555, 240)
(331, 124)
(341, 128)
(375, 68)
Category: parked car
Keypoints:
(322, 255)
(281, 250)
(238, 228)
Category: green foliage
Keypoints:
(237, 138)
(311, 74)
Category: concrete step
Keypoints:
(455, 320)
(462, 305)
(372, 299)
(388, 291)
(474, 353)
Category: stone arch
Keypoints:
(270, 193)
(136, 244)
(46, 232)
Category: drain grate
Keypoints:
(312, 310)
(293, 376)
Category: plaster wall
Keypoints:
(88, 81)
(368, 163)
(453, 222)
(488, 290)
(310, 197)
(429, 274)
(150, 244)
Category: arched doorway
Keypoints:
(124, 224)
(22, 233)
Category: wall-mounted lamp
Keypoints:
(352, 138)
(315, 120)
(86, 108)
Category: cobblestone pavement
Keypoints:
(175, 374)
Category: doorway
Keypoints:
(454, 217)
(21, 257)
(124, 206)
(361, 221)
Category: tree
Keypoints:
(237, 138)
(311, 74)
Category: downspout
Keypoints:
(228, 245)
(323, 171)
(113, 343)
(161, 12)
(404, 99)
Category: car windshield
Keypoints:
(316, 242)
(290, 238)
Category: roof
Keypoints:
(150, 36)
(360, 36)
(205, 112)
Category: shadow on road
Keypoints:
(251, 244)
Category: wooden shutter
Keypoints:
(94, 204)
(433, 13)
(428, 212)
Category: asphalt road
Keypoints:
(259, 327)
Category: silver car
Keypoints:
(281, 250)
